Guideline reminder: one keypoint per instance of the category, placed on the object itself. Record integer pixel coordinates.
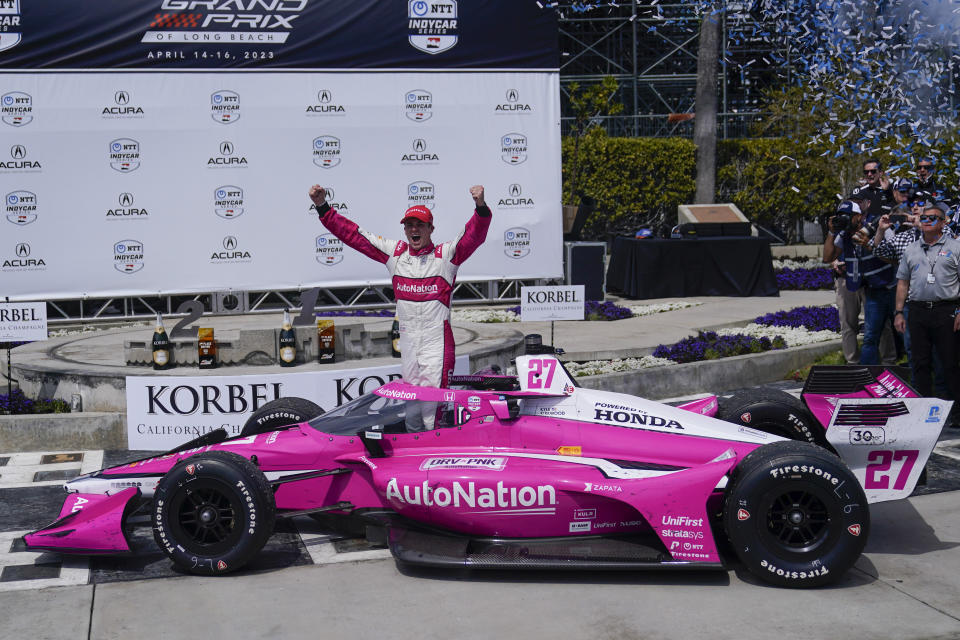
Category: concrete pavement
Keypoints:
(904, 587)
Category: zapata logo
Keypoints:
(9, 19)
(432, 26)
(128, 256)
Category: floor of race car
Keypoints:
(31, 496)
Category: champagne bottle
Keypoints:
(395, 338)
(288, 342)
(161, 346)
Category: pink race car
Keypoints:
(535, 472)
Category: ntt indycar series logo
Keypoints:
(20, 207)
(10, 26)
(326, 152)
(128, 256)
(125, 155)
(228, 201)
(16, 108)
(513, 148)
(418, 105)
(432, 26)
(223, 21)
(329, 250)
(517, 242)
(421, 192)
(225, 107)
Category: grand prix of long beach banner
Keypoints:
(159, 146)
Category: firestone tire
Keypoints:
(280, 413)
(795, 515)
(772, 411)
(213, 512)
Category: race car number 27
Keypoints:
(536, 372)
(879, 462)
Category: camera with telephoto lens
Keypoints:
(841, 222)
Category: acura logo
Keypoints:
(324, 96)
(126, 199)
(230, 242)
(514, 189)
(512, 95)
(121, 98)
(419, 144)
(226, 148)
(23, 250)
(18, 151)
(329, 191)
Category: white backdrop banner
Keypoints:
(148, 183)
(165, 412)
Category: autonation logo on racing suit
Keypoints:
(223, 21)
(409, 287)
(461, 494)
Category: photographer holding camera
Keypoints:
(865, 280)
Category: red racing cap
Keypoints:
(418, 212)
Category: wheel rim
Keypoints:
(207, 517)
(797, 520)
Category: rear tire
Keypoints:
(280, 413)
(213, 512)
(772, 411)
(795, 515)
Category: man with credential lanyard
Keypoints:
(928, 282)
(422, 275)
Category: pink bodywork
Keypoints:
(489, 476)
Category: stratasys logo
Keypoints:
(432, 25)
(262, 22)
(523, 499)
(10, 35)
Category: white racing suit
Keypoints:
(423, 286)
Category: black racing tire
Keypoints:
(795, 515)
(280, 413)
(213, 512)
(772, 411)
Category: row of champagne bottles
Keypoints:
(286, 344)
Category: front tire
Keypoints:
(280, 413)
(213, 512)
(795, 515)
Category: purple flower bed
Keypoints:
(596, 310)
(358, 313)
(805, 279)
(16, 402)
(707, 345)
(810, 318)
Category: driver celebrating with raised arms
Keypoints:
(422, 275)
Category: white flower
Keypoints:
(794, 337)
(650, 309)
(485, 315)
(788, 263)
(599, 367)
(59, 333)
